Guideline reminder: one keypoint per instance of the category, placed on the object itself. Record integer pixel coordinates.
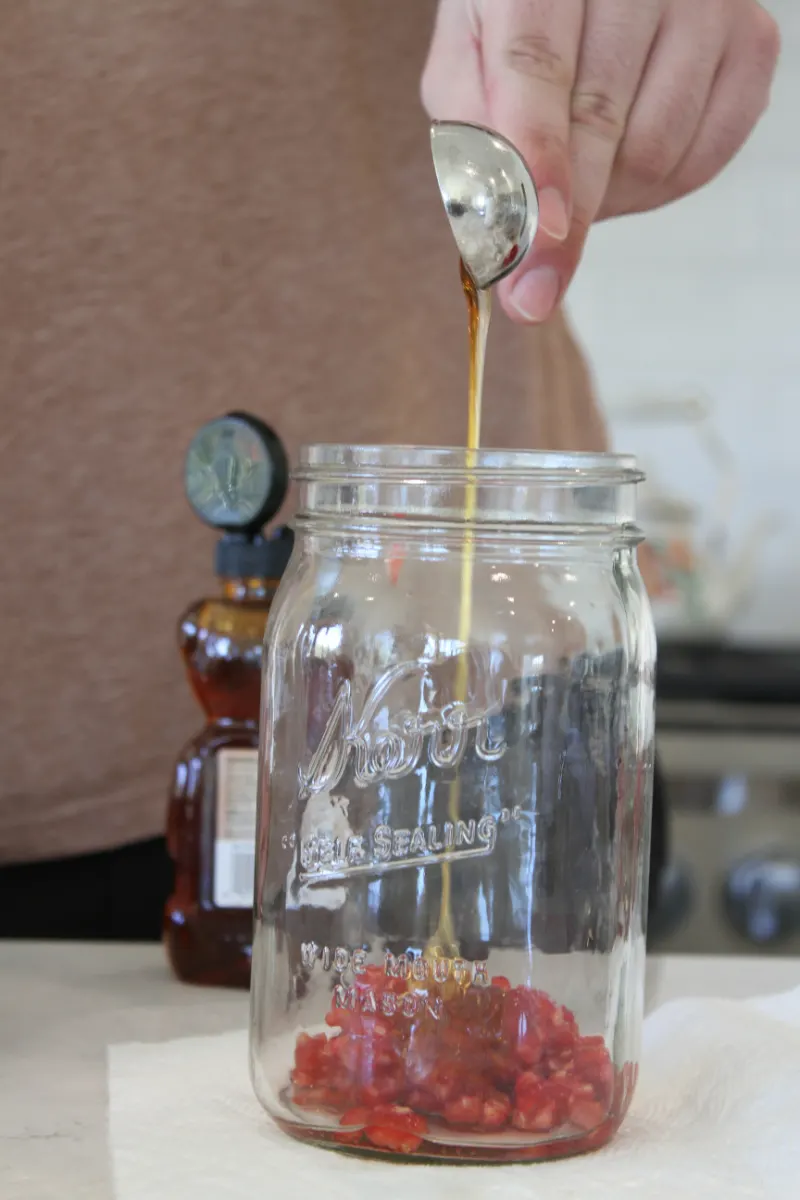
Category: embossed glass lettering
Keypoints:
(441, 969)
(465, 833)
(480, 973)
(410, 1004)
(433, 841)
(487, 832)
(355, 850)
(385, 753)
(382, 843)
(398, 967)
(435, 1007)
(345, 997)
(323, 857)
(325, 850)
(460, 970)
(417, 845)
(401, 842)
(309, 952)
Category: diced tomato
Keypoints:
(383, 1088)
(391, 1127)
(443, 1082)
(464, 1110)
(393, 1139)
(422, 1101)
(562, 1031)
(587, 1113)
(394, 564)
(594, 1066)
(344, 1019)
(536, 1103)
(540, 1118)
(312, 1097)
(529, 1048)
(496, 1111)
(501, 1068)
(349, 1139)
(521, 1027)
(595, 1041)
(398, 1116)
(478, 1058)
(307, 1051)
(356, 1116)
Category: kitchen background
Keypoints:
(709, 310)
(697, 359)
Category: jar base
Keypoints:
(429, 1150)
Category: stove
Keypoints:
(728, 742)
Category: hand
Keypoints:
(618, 106)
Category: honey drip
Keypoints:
(479, 309)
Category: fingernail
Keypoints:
(535, 295)
(553, 215)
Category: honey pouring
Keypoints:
(491, 203)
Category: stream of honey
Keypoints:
(479, 309)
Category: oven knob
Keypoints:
(762, 897)
(672, 904)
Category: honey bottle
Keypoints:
(236, 479)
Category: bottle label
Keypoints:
(235, 843)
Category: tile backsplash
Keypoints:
(702, 299)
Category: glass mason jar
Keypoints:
(455, 793)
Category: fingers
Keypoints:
(617, 106)
(669, 107)
(617, 44)
(452, 81)
(530, 56)
(614, 42)
(738, 99)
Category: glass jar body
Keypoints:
(455, 789)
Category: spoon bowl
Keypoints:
(489, 197)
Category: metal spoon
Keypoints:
(489, 197)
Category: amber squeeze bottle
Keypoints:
(236, 479)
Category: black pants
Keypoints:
(119, 896)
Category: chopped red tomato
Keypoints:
(475, 1058)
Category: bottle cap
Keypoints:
(253, 556)
(236, 474)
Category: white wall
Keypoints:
(704, 298)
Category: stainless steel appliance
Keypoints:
(729, 746)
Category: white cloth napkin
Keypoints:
(716, 1114)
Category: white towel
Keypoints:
(716, 1114)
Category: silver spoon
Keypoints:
(489, 197)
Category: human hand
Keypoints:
(618, 106)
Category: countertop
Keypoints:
(62, 1005)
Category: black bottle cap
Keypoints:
(253, 556)
(236, 474)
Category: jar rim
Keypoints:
(337, 462)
